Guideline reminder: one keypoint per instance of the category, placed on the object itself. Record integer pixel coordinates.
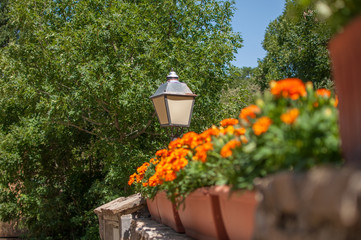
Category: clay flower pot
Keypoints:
(201, 216)
(152, 205)
(238, 211)
(345, 50)
(168, 213)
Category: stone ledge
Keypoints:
(321, 204)
(146, 229)
(122, 206)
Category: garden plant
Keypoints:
(292, 127)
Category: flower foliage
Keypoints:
(291, 127)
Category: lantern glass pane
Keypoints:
(160, 108)
(180, 109)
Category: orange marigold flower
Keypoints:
(206, 136)
(229, 122)
(180, 152)
(227, 148)
(261, 125)
(170, 176)
(249, 112)
(139, 177)
(132, 179)
(240, 131)
(288, 88)
(154, 180)
(323, 92)
(229, 129)
(143, 168)
(290, 116)
(190, 139)
(179, 164)
(162, 153)
(201, 151)
(213, 131)
(177, 143)
(336, 101)
(141, 171)
(154, 161)
(167, 168)
(165, 171)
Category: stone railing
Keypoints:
(323, 204)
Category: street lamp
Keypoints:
(173, 102)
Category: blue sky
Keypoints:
(251, 20)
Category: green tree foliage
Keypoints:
(75, 114)
(238, 92)
(338, 13)
(6, 30)
(296, 47)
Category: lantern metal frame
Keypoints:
(172, 90)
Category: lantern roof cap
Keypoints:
(173, 88)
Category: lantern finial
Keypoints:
(172, 75)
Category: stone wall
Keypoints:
(115, 217)
(323, 204)
(9, 230)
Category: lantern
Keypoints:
(173, 102)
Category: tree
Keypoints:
(238, 92)
(6, 30)
(296, 47)
(76, 116)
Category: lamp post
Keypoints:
(173, 102)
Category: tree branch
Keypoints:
(116, 122)
(103, 104)
(69, 124)
(143, 130)
(91, 120)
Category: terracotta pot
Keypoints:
(168, 213)
(238, 211)
(201, 216)
(345, 50)
(152, 205)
